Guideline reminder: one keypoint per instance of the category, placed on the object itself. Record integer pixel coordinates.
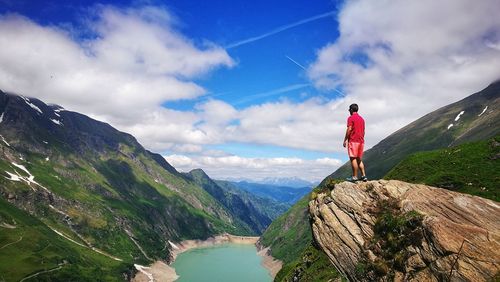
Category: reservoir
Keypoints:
(227, 262)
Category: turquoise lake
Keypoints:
(221, 263)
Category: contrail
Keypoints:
(343, 95)
(295, 62)
(279, 29)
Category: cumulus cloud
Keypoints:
(227, 167)
(133, 61)
(390, 57)
(394, 55)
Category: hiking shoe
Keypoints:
(364, 178)
(352, 179)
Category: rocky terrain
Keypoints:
(398, 231)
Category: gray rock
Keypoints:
(461, 239)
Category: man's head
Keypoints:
(353, 108)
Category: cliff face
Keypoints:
(407, 232)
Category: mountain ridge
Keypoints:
(112, 202)
(480, 120)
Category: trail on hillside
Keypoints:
(21, 238)
(44, 271)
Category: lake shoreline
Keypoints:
(160, 271)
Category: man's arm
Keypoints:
(347, 133)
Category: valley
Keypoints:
(82, 200)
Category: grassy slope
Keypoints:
(290, 233)
(106, 195)
(291, 241)
(471, 168)
(312, 265)
(41, 249)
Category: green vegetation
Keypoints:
(266, 206)
(290, 233)
(28, 246)
(325, 187)
(291, 241)
(394, 233)
(470, 168)
(246, 218)
(312, 265)
(105, 191)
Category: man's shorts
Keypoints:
(355, 150)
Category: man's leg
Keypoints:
(361, 166)
(354, 165)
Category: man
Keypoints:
(354, 141)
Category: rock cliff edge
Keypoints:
(399, 231)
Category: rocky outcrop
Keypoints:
(392, 230)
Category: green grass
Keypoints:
(312, 265)
(394, 232)
(103, 193)
(291, 241)
(471, 168)
(41, 249)
(290, 233)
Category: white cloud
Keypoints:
(397, 59)
(135, 61)
(227, 167)
(400, 60)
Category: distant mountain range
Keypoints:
(474, 118)
(294, 182)
(282, 194)
(85, 200)
(251, 211)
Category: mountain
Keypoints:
(293, 182)
(474, 118)
(288, 235)
(266, 206)
(250, 212)
(470, 168)
(81, 199)
(282, 194)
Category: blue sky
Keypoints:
(249, 89)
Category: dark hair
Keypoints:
(353, 108)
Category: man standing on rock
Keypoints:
(354, 141)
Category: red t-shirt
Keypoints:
(358, 128)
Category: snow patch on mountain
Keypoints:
(1, 118)
(459, 115)
(33, 106)
(30, 179)
(483, 111)
(3, 139)
(13, 177)
(58, 122)
(173, 245)
(449, 126)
